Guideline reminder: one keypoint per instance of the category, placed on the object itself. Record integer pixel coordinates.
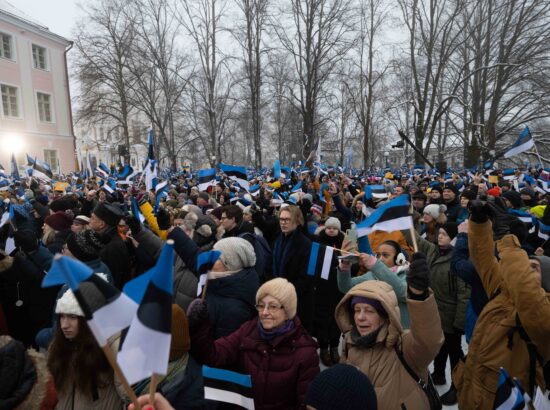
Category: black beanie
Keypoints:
(85, 245)
(108, 213)
(451, 228)
(514, 198)
(342, 386)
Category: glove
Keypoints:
(197, 313)
(418, 276)
(134, 224)
(27, 241)
(163, 219)
(479, 211)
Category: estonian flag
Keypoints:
(277, 169)
(124, 177)
(524, 142)
(236, 173)
(205, 262)
(206, 177)
(522, 216)
(297, 187)
(375, 192)
(146, 348)
(228, 387)
(106, 309)
(509, 395)
(544, 231)
(14, 168)
(254, 190)
(320, 260)
(150, 169)
(135, 210)
(40, 169)
(161, 190)
(89, 169)
(392, 216)
(509, 174)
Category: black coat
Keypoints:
(231, 301)
(290, 261)
(116, 256)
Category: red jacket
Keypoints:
(281, 370)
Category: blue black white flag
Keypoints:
(392, 216)
(320, 260)
(236, 173)
(206, 178)
(228, 387)
(509, 395)
(524, 142)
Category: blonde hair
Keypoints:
(295, 214)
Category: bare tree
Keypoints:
(317, 40)
(249, 36)
(209, 103)
(101, 67)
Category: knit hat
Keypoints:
(495, 191)
(538, 210)
(341, 386)
(316, 210)
(545, 271)
(514, 197)
(67, 304)
(307, 197)
(452, 187)
(469, 194)
(85, 245)
(81, 220)
(434, 210)
(180, 342)
(59, 221)
(282, 290)
(108, 213)
(333, 222)
(451, 228)
(528, 191)
(237, 253)
(437, 188)
(373, 302)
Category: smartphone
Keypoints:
(351, 258)
(351, 236)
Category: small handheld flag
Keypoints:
(392, 216)
(320, 260)
(228, 387)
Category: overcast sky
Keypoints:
(57, 15)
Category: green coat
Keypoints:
(451, 293)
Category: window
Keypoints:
(6, 46)
(9, 101)
(50, 158)
(39, 57)
(44, 107)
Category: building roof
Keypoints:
(10, 11)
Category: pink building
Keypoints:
(35, 108)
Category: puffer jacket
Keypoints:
(451, 293)
(394, 386)
(281, 370)
(231, 300)
(496, 342)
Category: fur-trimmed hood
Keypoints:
(6, 262)
(384, 293)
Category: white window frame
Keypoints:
(19, 102)
(54, 167)
(52, 110)
(13, 57)
(46, 57)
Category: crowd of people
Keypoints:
(475, 269)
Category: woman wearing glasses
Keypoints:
(273, 348)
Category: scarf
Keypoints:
(280, 252)
(269, 335)
(366, 341)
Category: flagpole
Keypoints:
(537, 151)
(153, 388)
(118, 373)
(413, 235)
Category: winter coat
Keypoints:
(59, 240)
(326, 291)
(42, 258)
(281, 370)
(496, 341)
(186, 390)
(290, 261)
(243, 228)
(379, 271)
(24, 377)
(231, 301)
(394, 386)
(453, 210)
(20, 280)
(116, 256)
(451, 293)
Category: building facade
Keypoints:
(35, 108)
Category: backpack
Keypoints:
(264, 256)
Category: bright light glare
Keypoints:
(13, 143)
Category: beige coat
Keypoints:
(394, 386)
(490, 347)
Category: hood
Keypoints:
(6, 262)
(241, 285)
(378, 290)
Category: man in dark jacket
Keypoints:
(104, 220)
(234, 225)
(452, 201)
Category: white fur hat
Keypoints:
(68, 305)
(434, 210)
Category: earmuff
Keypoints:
(400, 255)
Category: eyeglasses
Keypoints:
(260, 307)
(285, 220)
